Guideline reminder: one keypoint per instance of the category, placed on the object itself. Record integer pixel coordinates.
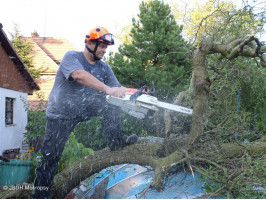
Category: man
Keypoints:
(81, 84)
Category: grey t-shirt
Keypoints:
(69, 99)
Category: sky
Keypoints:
(68, 19)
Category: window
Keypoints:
(9, 110)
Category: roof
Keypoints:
(49, 51)
(11, 52)
(42, 60)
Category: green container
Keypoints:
(14, 172)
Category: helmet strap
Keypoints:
(94, 51)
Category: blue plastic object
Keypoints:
(130, 181)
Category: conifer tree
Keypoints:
(24, 50)
(157, 55)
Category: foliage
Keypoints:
(251, 183)
(124, 35)
(236, 115)
(243, 178)
(73, 151)
(24, 49)
(157, 55)
(142, 128)
(253, 95)
(237, 102)
(36, 124)
(36, 119)
(222, 20)
(89, 133)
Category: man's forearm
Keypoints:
(85, 78)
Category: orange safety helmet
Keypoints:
(100, 34)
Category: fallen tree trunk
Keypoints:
(142, 154)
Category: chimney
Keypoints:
(35, 34)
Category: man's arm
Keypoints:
(85, 78)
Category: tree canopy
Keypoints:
(157, 55)
(223, 20)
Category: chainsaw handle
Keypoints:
(151, 92)
(134, 96)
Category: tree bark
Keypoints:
(202, 88)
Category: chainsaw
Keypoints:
(141, 103)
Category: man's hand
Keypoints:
(116, 91)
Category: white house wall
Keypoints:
(11, 136)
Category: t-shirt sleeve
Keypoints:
(69, 64)
(111, 79)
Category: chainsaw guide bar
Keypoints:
(144, 103)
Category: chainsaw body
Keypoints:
(142, 105)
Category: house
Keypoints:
(47, 54)
(16, 83)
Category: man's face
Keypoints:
(101, 50)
